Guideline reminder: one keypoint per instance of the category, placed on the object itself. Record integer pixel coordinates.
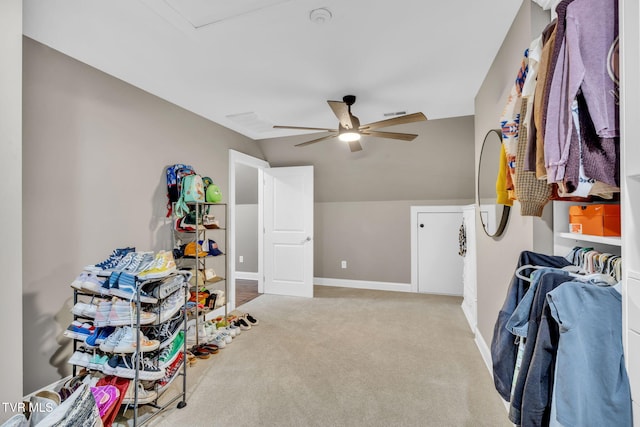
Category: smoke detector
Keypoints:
(320, 16)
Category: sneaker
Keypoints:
(144, 396)
(163, 266)
(120, 266)
(164, 288)
(202, 335)
(98, 336)
(125, 313)
(79, 331)
(92, 283)
(111, 261)
(83, 309)
(167, 331)
(77, 283)
(124, 366)
(251, 320)
(125, 287)
(243, 324)
(129, 341)
(140, 262)
(218, 340)
(80, 357)
(110, 343)
(226, 335)
(170, 306)
(171, 372)
(102, 314)
(168, 354)
(97, 362)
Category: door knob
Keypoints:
(421, 225)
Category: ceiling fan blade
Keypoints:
(391, 135)
(355, 146)
(341, 110)
(313, 141)
(409, 118)
(305, 128)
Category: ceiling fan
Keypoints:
(350, 130)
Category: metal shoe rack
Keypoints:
(137, 420)
(156, 408)
(200, 263)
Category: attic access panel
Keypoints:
(205, 12)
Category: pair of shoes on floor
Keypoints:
(204, 351)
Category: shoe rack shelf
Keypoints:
(170, 315)
(209, 224)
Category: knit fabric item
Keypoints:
(532, 193)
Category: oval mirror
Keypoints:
(494, 216)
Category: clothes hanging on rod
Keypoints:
(591, 381)
(568, 122)
(592, 261)
(504, 349)
(534, 330)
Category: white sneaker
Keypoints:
(144, 396)
(80, 358)
(112, 340)
(84, 309)
(129, 341)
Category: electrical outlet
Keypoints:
(241, 259)
(343, 264)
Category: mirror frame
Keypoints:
(505, 209)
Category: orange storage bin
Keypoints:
(596, 220)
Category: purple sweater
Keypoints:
(590, 32)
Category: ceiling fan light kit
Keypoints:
(349, 136)
(349, 128)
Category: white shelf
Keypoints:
(606, 240)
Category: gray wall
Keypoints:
(437, 165)
(363, 199)
(497, 258)
(246, 219)
(11, 196)
(95, 149)
(247, 238)
(373, 237)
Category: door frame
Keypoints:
(235, 158)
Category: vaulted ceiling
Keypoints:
(250, 64)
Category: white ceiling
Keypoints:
(250, 64)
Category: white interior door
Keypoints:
(439, 265)
(288, 231)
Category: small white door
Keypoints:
(439, 264)
(288, 231)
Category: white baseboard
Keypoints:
(485, 352)
(363, 284)
(469, 316)
(246, 275)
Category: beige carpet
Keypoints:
(347, 357)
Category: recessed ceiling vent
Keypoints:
(200, 13)
(251, 121)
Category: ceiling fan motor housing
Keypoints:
(349, 99)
